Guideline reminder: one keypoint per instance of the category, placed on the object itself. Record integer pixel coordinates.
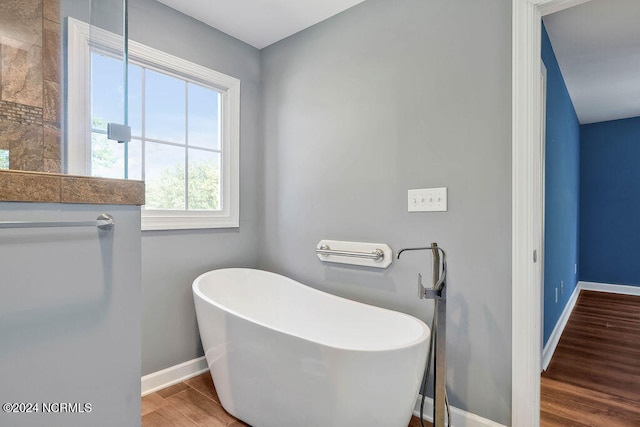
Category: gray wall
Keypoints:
(171, 260)
(388, 96)
(70, 315)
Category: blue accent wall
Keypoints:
(610, 202)
(562, 187)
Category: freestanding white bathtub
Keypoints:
(282, 354)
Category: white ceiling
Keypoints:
(260, 22)
(597, 45)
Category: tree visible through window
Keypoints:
(4, 159)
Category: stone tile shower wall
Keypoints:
(30, 84)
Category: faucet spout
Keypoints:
(428, 248)
(439, 280)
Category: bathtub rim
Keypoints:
(422, 337)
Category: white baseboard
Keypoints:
(554, 338)
(173, 375)
(459, 418)
(607, 287)
(178, 373)
(551, 345)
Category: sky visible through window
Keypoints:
(174, 124)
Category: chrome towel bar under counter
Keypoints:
(103, 222)
(376, 255)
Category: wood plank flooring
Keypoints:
(194, 403)
(594, 376)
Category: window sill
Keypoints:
(157, 223)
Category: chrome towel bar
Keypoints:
(377, 255)
(103, 222)
(365, 254)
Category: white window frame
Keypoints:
(80, 36)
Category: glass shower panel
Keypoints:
(110, 134)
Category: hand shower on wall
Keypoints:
(438, 292)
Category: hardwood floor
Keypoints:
(187, 404)
(194, 403)
(594, 376)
